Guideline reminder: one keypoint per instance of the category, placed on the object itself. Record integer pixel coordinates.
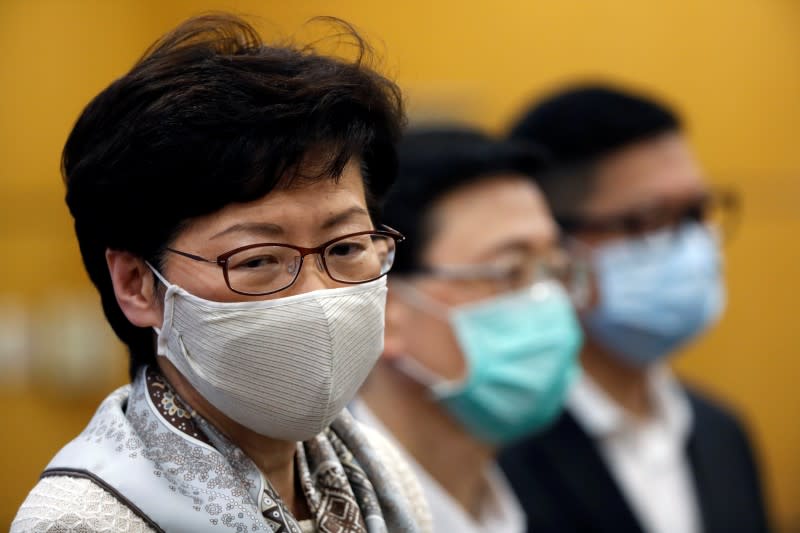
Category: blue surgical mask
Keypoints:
(520, 351)
(656, 292)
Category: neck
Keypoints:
(274, 458)
(625, 384)
(435, 441)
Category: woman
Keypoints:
(224, 194)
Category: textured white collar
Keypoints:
(601, 416)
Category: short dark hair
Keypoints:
(209, 116)
(581, 124)
(435, 161)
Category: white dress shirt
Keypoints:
(646, 457)
(501, 510)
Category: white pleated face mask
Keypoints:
(284, 368)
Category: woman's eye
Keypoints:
(261, 261)
(345, 249)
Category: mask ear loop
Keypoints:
(162, 346)
(408, 365)
(158, 275)
(418, 372)
(438, 386)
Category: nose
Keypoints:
(310, 278)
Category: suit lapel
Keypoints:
(703, 456)
(577, 459)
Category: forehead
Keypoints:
(471, 222)
(301, 209)
(658, 171)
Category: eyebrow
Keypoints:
(268, 229)
(344, 216)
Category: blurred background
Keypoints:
(731, 67)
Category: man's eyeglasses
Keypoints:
(719, 209)
(510, 274)
(266, 268)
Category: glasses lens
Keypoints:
(525, 270)
(556, 265)
(262, 269)
(359, 258)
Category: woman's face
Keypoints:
(305, 216)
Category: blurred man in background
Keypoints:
(481, 339)
(636, 450)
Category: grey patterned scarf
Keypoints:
(181, 474)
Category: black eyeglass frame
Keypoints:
(633, 224)
(222, 259)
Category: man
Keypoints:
(636, 450)
(481, 340)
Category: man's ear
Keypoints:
(394, 344)
(591, 289)
(134, 288)
(585, 289)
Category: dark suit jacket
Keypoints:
(564, 485)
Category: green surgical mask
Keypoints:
(520, 350)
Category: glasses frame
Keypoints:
(222, 259)
(631, 223)
(482, 271)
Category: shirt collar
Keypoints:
(601, 416)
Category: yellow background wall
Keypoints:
(732, 67)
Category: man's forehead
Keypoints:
(498, 218)
(657, 171)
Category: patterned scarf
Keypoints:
(345, 485)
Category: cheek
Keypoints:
(432, 342)
(203, 280)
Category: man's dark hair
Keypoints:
(209, 116)
(435, 161)
(580, 125)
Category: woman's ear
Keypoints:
(134, 288)
(394, 345)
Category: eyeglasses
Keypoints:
(719, 209)
(514, 274)
(267, 268)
